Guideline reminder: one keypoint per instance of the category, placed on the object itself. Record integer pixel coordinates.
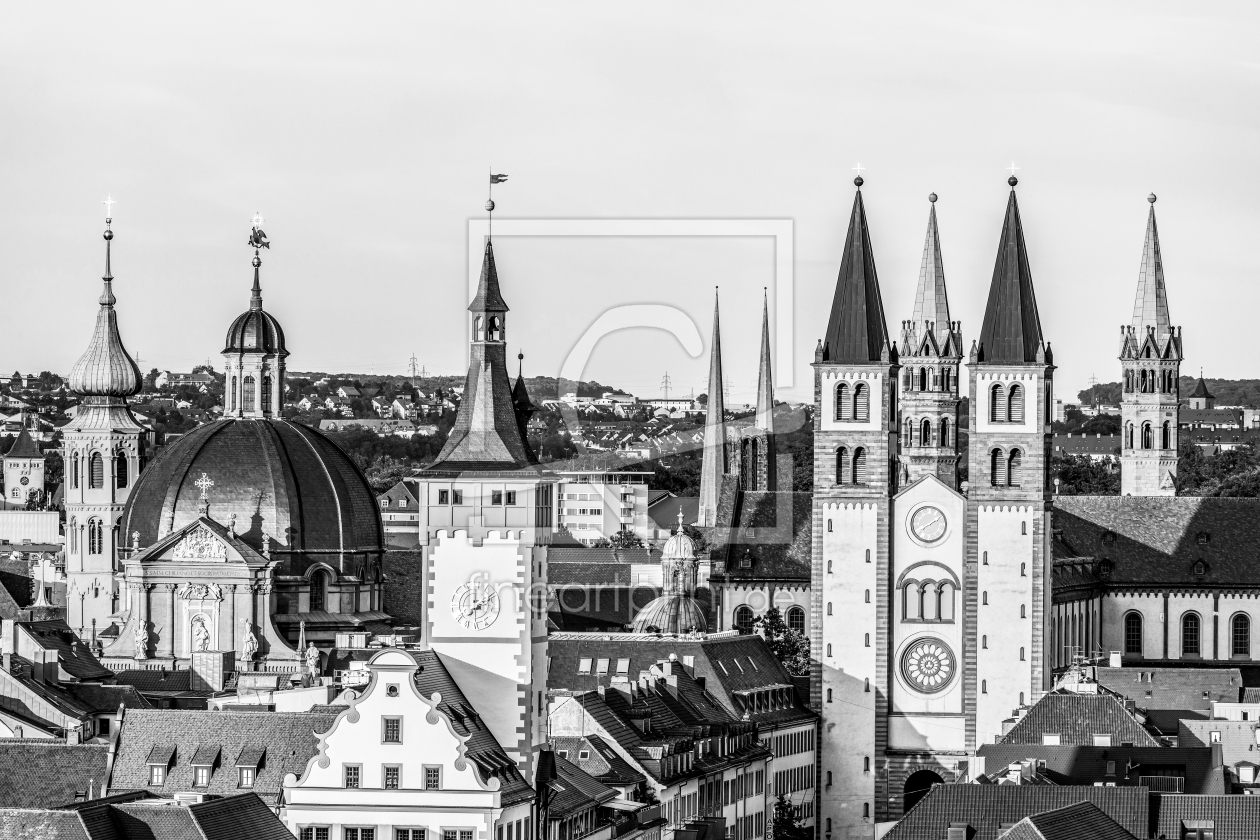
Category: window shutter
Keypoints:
(842, 402)
(1016, 409)
(997, 396)
(1017, 468)
(997, 468)
(861, 402)
(859, 466)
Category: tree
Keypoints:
(625, 538)
(697, 537)
(203, 369)
(789, 646)
(1080, 475)
(785, 824)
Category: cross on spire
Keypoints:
(109, 206)
(1013, 168)
(257, 220)
(858, 169)
(205, 483)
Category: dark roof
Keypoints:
(1076, 718)
(73, 655)
(25, 824)
(105, 699)
(288, 738)
(279, 478)
(579, 791)
(255, 330)
(1251, 695)
(985, 808)
(581, 607)
(46, 772)
(1232, 817)
(856, 331)
(1169, 694)
(1238, 738)
(488, 298)
(664, 510)
(24, 447)
(1200, 390)
(1158, 540)
(770, 530)
(1087, 765)
(1072, 822)
(146, 680)
(602, 761)
(483, 749)
(1011, 331)
(1082, 444)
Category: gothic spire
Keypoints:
(1011, 332)
(856, 332)
(930, 300)
(713, 462)
(488, 298)
(765, 380)
(1150, 309)
(105, 369)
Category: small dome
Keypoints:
(105, 369)
(679, 547)
(671, 614)
(255, 331)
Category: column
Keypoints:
(231, 599)
(170, 631)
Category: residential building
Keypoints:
(1238, 742)
(1167, 696)
(596, 504)
(1064, 717)
(1096, 447)
(23, 472)
(400, 514)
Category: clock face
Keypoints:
(475, 606)
(25, 480)
(928, 665)
(928, 524)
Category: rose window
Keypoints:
(928, 665)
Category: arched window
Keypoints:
(911, 607)
(247, 394)
(120, 469)
(859, 465)
(905, 379)
(1165, 437)
(842, 466)
(1128, 381)
(796, 619)
(868, 596)
(1015, 408)
(744, 618)
(844, 408)
(828, 526)
(984, 642)
(76, 469)
(828, 608)
(232, 396)
(927, 600)
(319, 591)
(997, 468)
(266, 393)
(997, 404)
(945, 601)
(1190, 634)
(1128, 436)
(984, 686)
(73, 534)
(96, 471)
(1147, 443)
(923, 379)
(828, 562)
(909, 433)
(925, 433)
(861, 402)
(1142, 381)
(984, 598)
(829, 700)
(1240, 636)
(496, 329)
(868, 640)
(944, 438)
(96, 537)
(1016, 474)
(946, 385)
(829, 648)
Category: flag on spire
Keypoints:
(497, 179)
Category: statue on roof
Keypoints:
(141, 639)
(312, 659)
(249, 647)
(258, 239)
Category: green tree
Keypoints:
(204, 369)
(698, 537)
(785, 824)
(625, 538)
(789, 646)
(1080, 475)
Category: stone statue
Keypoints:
(249, 647)
(200, 634)
(312, 659)
(142, 641)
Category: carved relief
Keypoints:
(200, 544)
(202, 592)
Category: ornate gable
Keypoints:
(200, 544)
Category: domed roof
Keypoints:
(105, 369)
(679, 547)
(671, 614)
(280, 479)
(255, 330)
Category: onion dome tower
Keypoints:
(676, 610)
(254, 352)
(102, 451)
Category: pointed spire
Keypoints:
(255, 298)
(488, 298)
(765, 380)
(856, 332)
(1150, 309)
(105, 369)
(930, 300)
(1011, 332)
(713, 462)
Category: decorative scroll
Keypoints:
(202, 592)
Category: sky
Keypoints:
(364, 134)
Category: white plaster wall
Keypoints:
(1031, 383)
(873, 380)
(757, 597)
(1115, 606)
(1001, 677)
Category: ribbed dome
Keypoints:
(255, 331)
(679, 547)
(105, 369)
(671, 614)
(281, 479)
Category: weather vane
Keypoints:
(258, 239)
(494, 179)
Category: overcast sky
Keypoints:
(364, 134)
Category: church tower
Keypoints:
(254, 352)
(757, 455)
(102, 451)
(855, 452)
(1150, 356)
(1007, 572)
(931, 352)
(714, 460)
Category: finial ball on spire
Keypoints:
(108, 234)
(520, 357)
(256, 261)
(932, 197)
(1012, 181)
(490, 206)
(1151, 198)
(857, 182)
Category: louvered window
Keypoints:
(1016, 473)
(1015, 411)
(120, 469)
(95, 537)
(96, 471)
(925, 433)
(859, 465)
(944, 440)
(861, 402)
(997, 468)
(997, 404)
(842, 465)
(844, 409)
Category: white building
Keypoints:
(596, 504)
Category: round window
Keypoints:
(391, 690)
(928, 665)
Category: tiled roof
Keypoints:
(1072, 822)
(1087, 765)
(601, 762)
(580, 608)
(24, 447)
(1076, 718)
(1251, 695)
(156, 680)
(771, 530)
(1159, 540)
(580, 791)
(1200, 390)
(664, 510)
(1074, 444)
(1238, 738)
(46, 773)
(288, 738)
(26, 824)
(1232, 817)
(1169, 694)
(986, 808)
(105, 699)
(73, 655)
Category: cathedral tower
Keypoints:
(1007, 573)
(757, 452)
(855, 441)
(931, 352)
(103, 457)
(714, 460)
(254, 352)
(1150, 356)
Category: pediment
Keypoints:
(203, 541)
(200, 543)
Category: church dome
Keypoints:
(255, 331)
(672, 615)
(105, 369)
(679, 547)
(276, 478)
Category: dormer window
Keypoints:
(1203, 538)
(159, 762)
(247, 764)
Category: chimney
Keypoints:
(1218, 755)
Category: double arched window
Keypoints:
(1006, 470)
(1190, 634)
(96, 471)
(1006, 406)
(927, 601)
(96, 536)
(1240, 635)
(1133, 634)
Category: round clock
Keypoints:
(928, 665)
(25, 480)
(928, 524)
(475, 606)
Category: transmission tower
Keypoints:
(411, 365)
(665, 383)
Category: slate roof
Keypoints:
(985, 808)
(26, 824)
(1156, 541)
(772, 530)
(149, 680)
(483, 748)
(1200, 390)
(1232, 817)
(602, 762)
(73, 655)
(1087, 765)
(856, 330)
(287, 737)
(602, 607)
(24, 447)
(1011, 330)
(1169, 694)
(1238, 738)
(1072, 822)
(664, 510)
(46, 772)
(1080, 444)
(580, 791)
(105, 699)
(1076, 718)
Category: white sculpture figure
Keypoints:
(200, 634)
(249, 648)
(312, 659)
(142, 641)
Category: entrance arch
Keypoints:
(916, 788)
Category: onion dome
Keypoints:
(255, 330)
(270, 477)
(672, 615)
(105, 369)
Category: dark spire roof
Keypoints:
(24, 447)
(1011, 332)
(1201, 390)
(765, 377)
(488, 298)
(856, 330)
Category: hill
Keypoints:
(1243, 392)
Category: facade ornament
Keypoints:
(249, 647)
(202, 592)
(203, 503)
(142, 641)
(232, 525)
(200, 634)
(135, 540)
(200, 544)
